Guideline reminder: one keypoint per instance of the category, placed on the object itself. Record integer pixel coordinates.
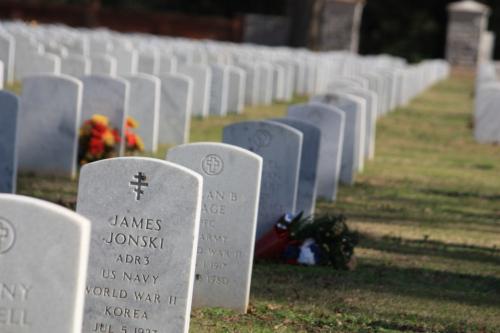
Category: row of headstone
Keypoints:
(166, 237)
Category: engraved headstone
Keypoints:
(202, 80)
(43, 262)
(308, 180)
(108, 96)
(331, 122)
(353, 151)
(8, 157)
(145, 219)
(144, 107)
(280, 146)
(231, 188)
(49, 115)
(175, 109)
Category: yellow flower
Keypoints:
(132, 123)
(139, 142)
(100, 119)
(108, 138)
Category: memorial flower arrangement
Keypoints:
(99, 139)
(324, 240)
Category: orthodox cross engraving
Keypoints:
(139, 183)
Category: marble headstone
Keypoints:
(354, 139)
(108, 96)
(75, 65)
(102, 64)
(145, 217)
(7, 53)
(144, 107)
(9, 105)
(43, 259)
(236, 90)
(280, 146)
(331, 122)
(202, 79)
(219, 90)
(231, 188)
(175, 109)
(308, 176)
(48, 125)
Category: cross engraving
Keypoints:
(139, 183)
(4, 234)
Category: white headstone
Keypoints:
(280, 146)
(43, 259)
(102, 64)
(219, 89)
(75, 65)
(7, 53)
(331, 122)
(145, 217)
(144, 107)
(175, 109)
(231, 188)
(109, 97)
(49, 115)
(202, 80)
(236, 90)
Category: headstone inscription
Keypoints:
(231, 178)
(145, 219)
(43, 262)
(280, 146)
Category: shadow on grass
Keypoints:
(326, 286)
(431, 248)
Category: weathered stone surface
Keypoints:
(280, 146)
(231, 189)
(43, 259)
(145, 217)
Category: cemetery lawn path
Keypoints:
(428, 213)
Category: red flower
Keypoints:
(96, 147)
(131, 139)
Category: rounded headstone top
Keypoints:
(469, 6)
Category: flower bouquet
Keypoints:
(133, 142)
(325, 240)
(99, 140)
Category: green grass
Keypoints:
(428, 212)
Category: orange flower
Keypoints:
(100, 119)
(131, 140)
(132, 123)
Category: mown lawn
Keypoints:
(428, 212)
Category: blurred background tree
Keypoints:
(413, 29)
